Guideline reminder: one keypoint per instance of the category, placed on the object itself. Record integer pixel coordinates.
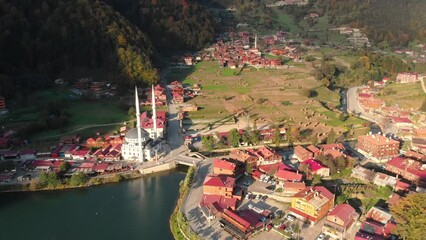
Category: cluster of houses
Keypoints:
(85, 86)
(221, 196)
(159, 94)
(87, 167)
(399, 122)
(240, 51)
(418, 56)
(181, 93)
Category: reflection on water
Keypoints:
(138, 209)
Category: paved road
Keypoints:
(353, 106)
(196, 220)
(174, 132)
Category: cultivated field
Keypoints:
(267, 96)
(408, 96)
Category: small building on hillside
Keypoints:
(407, 77)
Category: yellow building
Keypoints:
(312, 204)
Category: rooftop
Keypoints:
(219, 181)
(377, 139)
(288, 175)
(316, 196)
(314, 165)
(415, 167)
(344, 212)
(223, 164)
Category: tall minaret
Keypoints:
(255, 41)
(138, 125)
(154, 114)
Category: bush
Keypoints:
(78, 179)
(286, 103)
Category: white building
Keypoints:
(137, 143)
(130, 150)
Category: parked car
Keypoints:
(264, 198)
(291, 218)
(258, 197)
(289, 230)
(248, 196)
(282, 227)
(254, 196)
(321, 236)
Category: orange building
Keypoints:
(223, 167)
(378, 146)
(243, 156)
(219, 185)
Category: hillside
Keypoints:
(117, 41)
(171, 24)
(386, 22)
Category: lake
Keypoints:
(136, 209)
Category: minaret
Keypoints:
(255, 41)
(154, 114)
(138, 125)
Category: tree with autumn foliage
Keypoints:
(410, 216)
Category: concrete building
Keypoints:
(377, 146)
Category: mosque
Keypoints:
(139, 145)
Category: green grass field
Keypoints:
(410, 95)
(81, 113)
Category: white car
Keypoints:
(290, 218)
(321, 236)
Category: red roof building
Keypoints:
(244, 157)
(100, 167)
(409, 169)
(291, 188)
(289, 176)
(219, 185)
(235, 225)
(223, 202)
(302, 154)
(316, 167)
(223, 167)
(273, 168)
(340, 220)
(378, 146)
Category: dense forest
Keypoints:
(171, 24)
(41, 40)
(386, 22)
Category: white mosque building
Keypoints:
(138, 145)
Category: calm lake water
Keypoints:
(137, 209)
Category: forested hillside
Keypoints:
(386, 22)
(41, 40)
(171, 24)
